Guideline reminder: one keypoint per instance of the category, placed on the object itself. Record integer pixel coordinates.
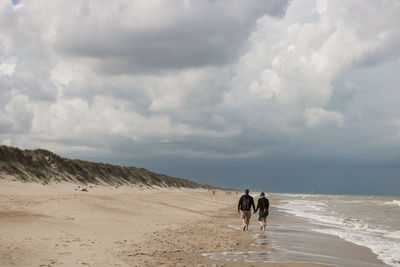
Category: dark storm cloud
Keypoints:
(208, 33)
(5, 126)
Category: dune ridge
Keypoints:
(43, 166)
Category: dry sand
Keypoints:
(55, 225)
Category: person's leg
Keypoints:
(243, 220)
(247, 222)
(248, 219)
(264, 222)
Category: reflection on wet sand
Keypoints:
(292, 240)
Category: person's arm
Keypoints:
(240, 203)
(252, 203)
(258, 205)
(267, 204)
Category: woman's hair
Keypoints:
(262, 194)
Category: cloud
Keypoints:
(7, 69)
(17, 115)
(158, 36)
(317, 116)
(297, 67)
(200, 79)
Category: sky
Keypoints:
(280, 96)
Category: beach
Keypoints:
(55, 225)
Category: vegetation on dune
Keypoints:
(44, 167)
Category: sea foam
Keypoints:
(360, 221)
(393, 202)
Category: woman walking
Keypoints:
(263, 205)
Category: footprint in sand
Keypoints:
(64, 253)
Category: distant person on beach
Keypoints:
(82, 189)
(244, 205)
(263, 205)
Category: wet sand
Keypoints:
(292, 239)
(55, 225)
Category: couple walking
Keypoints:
(246, 202)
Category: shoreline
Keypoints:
(126, 226)
(291, 239)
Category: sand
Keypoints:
(55, 225)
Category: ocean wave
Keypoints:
(386, 250)
(393, 202)
(394, 234)
(354, 229)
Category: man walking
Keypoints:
(244, 205)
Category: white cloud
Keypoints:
(76, 119)
(7, 69)
(18, 114)
(269, 85)
(320, 117)
(6, 142)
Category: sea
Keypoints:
(369, 221)
(312, 225)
